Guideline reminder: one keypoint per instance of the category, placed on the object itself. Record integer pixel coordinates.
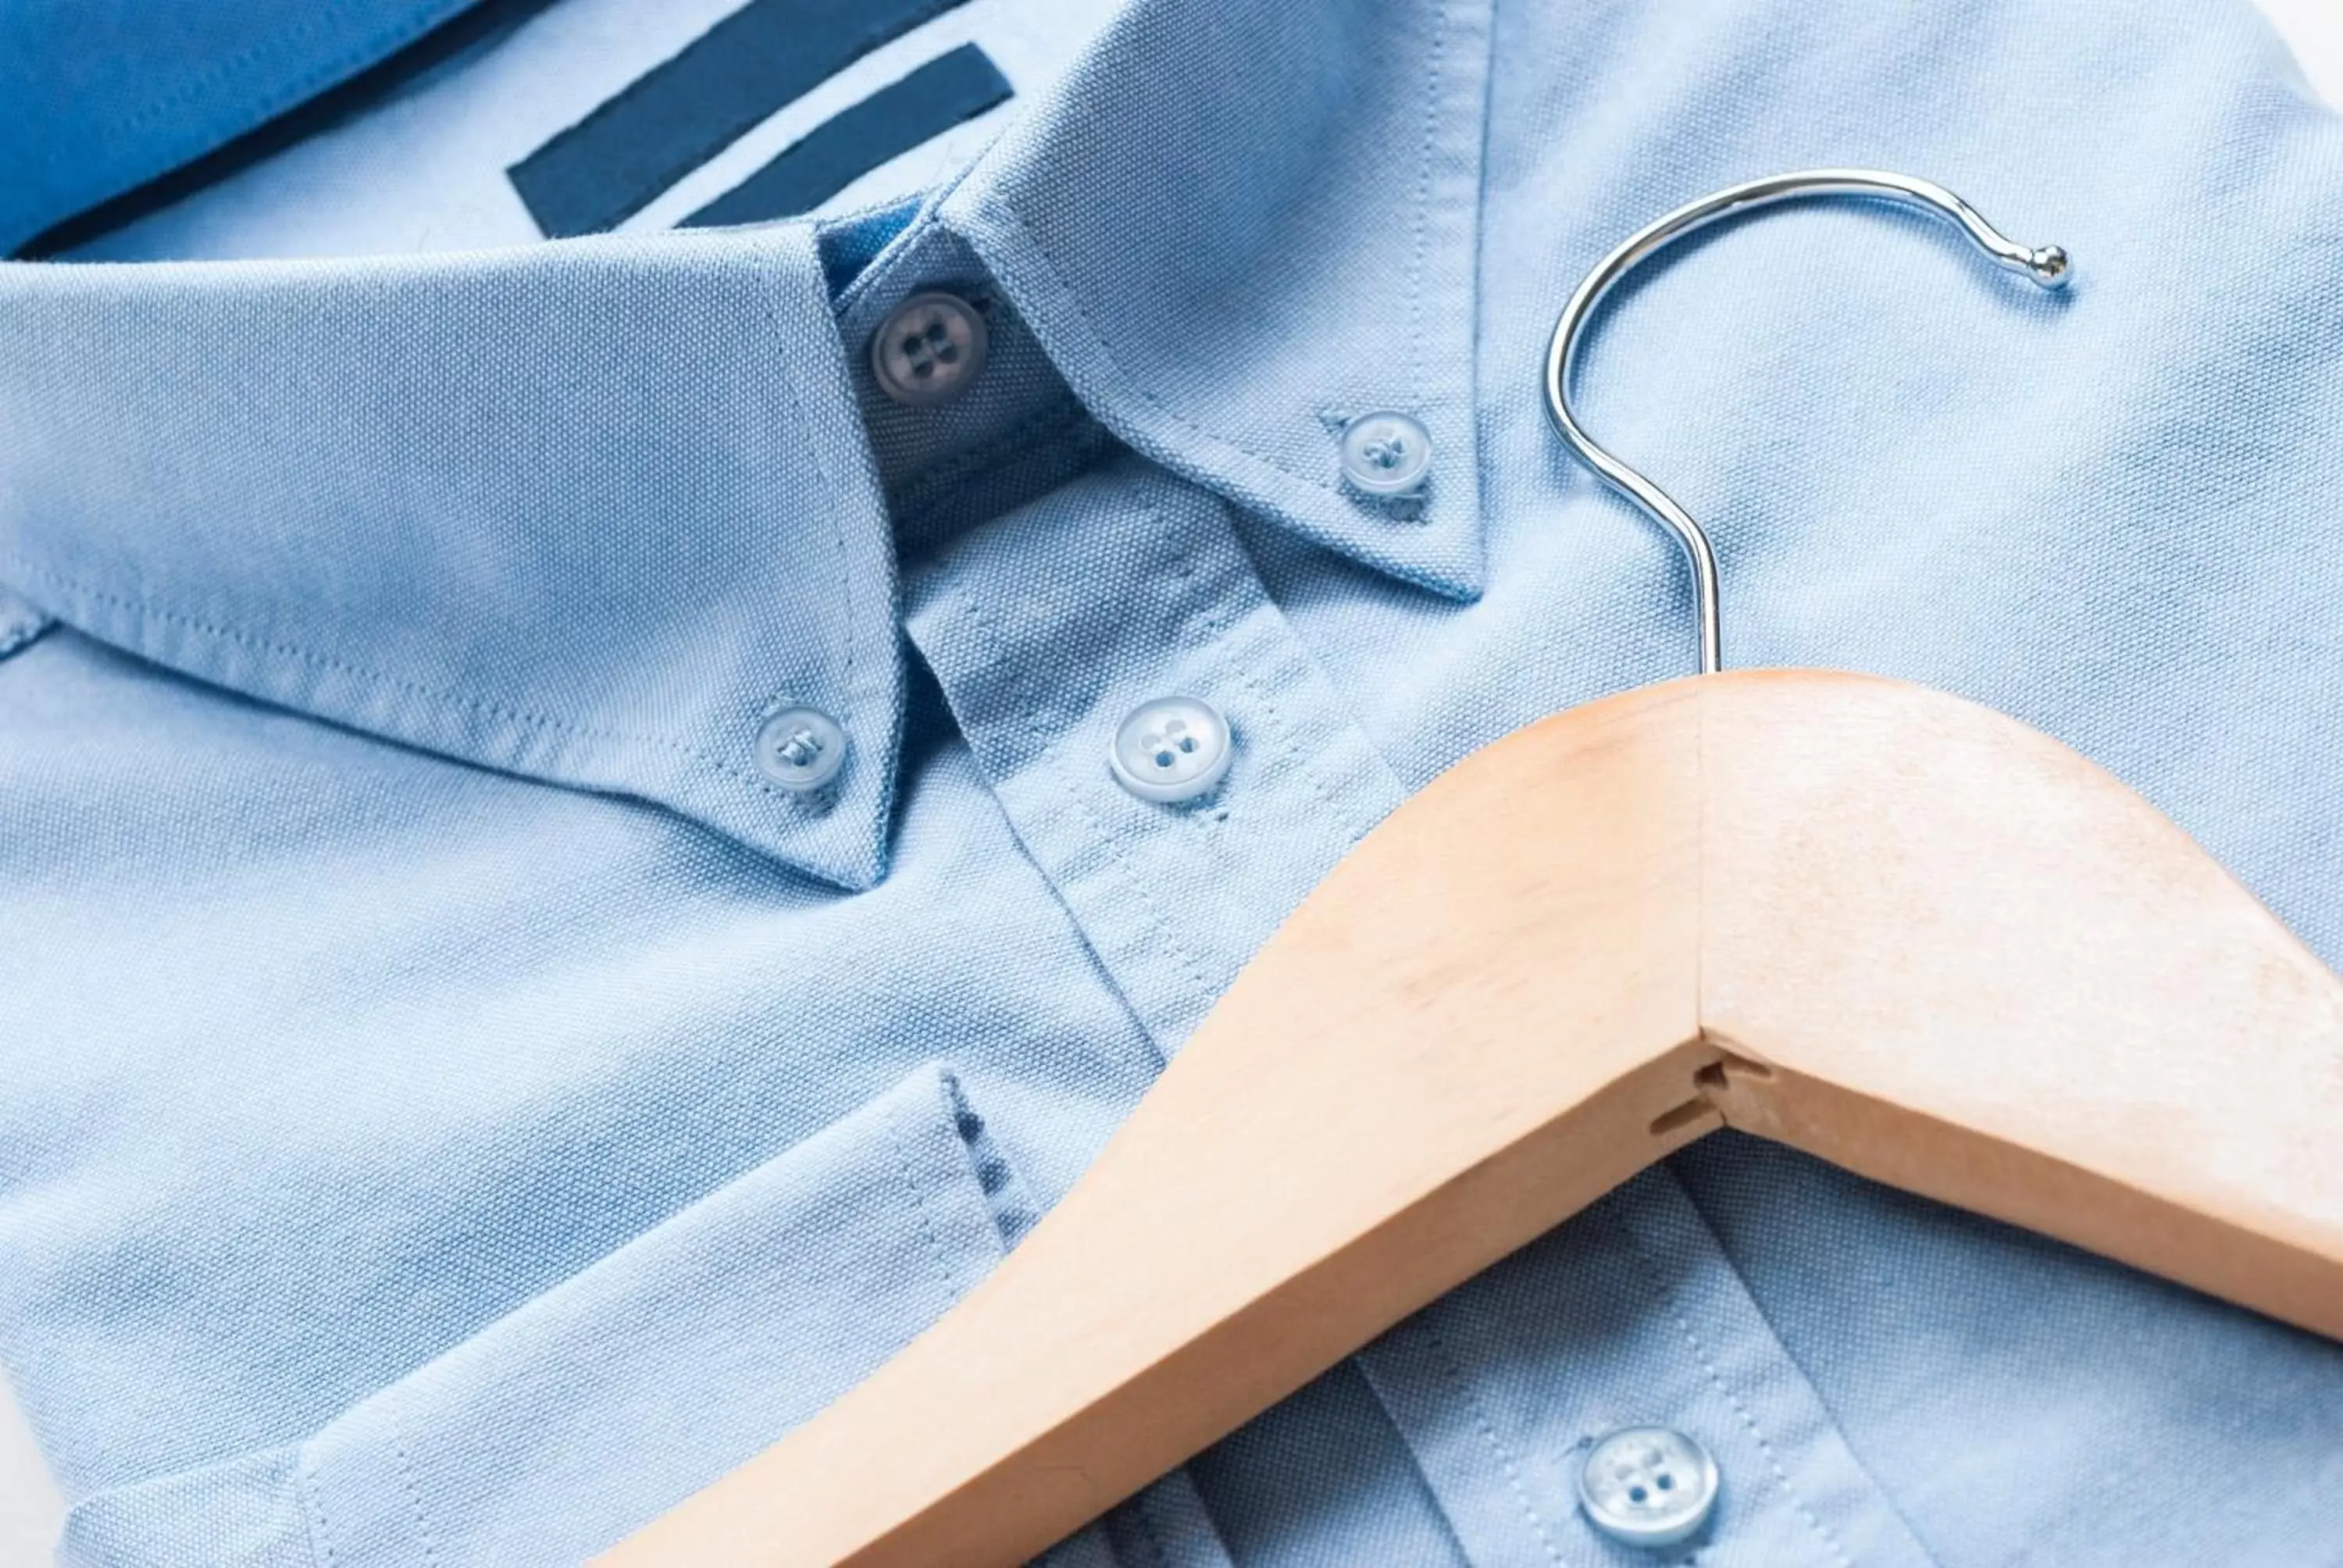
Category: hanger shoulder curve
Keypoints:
(1875, 923)
(2055, 1007)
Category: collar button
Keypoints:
(1386, 455)
(929, 349)
(800, 749)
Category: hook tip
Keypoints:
(2051, 266)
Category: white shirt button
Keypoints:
(1648, 1486)
(1386, 455)
(929, 349)
(800, 748)
(1173, 749)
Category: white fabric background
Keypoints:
(29, 1506)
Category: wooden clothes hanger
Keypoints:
(1875, 922)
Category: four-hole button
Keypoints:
(929, 348)
(1648, 1486)
(1170, 749)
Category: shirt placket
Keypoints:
(1628, 1316)
(1050, 625)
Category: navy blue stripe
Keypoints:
(940, 94)
(682, 112)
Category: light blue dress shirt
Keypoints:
(453, 1103)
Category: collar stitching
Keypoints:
(893, 256)
(796, 401)
(33, 570)
(1055, 277)
(1422, 226)
(870, 607)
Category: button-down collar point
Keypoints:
(1211, 335)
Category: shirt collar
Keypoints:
(590, 511)
(1229, 255)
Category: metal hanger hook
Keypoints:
(2049, 266)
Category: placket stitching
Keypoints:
(1216, 622)
(1882, 1493)
(1488, 1431)
(1683, 1320)
(313, 1514)
(1028, 714)
(414, 1490)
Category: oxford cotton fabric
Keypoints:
(448, 1111)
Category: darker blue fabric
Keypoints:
(105, 95)
(609, 164)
